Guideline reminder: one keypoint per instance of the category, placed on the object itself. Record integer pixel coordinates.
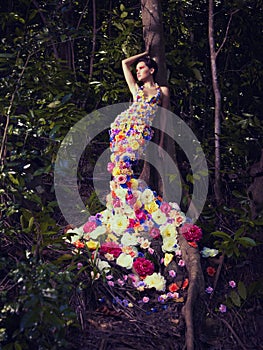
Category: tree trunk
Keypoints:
(153, 33)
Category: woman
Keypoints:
(136, 219)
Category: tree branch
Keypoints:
(226, 33)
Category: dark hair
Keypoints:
(150, 63)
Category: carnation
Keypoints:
(191, 232)
(110, 248)
(143, 267)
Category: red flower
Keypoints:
(174, 287)
(143, 267)
(110, 248)
(191, 232)
(211, 271)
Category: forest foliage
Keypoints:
(60, 60)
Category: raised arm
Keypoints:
(126, 66)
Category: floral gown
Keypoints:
(135, 218)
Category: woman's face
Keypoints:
(143, 72)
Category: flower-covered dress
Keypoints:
(135, 218)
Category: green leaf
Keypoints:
(235, 298)
(246, 241)
(242, 291)
(221, 234)
(29, 319)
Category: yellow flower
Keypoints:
(134, 184)
(156, 280)
(168, 258)
(92, 245)
(116, 171)
(151, 207)
(159, 217)
(134, 145)
(168, 231)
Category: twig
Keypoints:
(221, 261)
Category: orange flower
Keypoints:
(185, 284)
(79, 244)
(193, 244)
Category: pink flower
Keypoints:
(222, 308)
(191, 232)
(165, 208)
(120, 282)
(181, 262)
(110, 167)
(151, 250)
(172, 273)
(143, 267)
(111, 283)
(145, 299)
(110, 248)
(154, 233)
(89, 226)
(109, 277)
(232, 284)
(121, 179)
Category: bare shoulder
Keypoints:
(165, 96)
(164, 90)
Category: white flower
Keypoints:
(78, 233)
(121, 193)
(147, 196)
(156, 280)
(168, 231)
(129, 239)
(175, 206)
(103, 265)
(125, 260)
(99, 230)
(209, 252)
(106, 215)
(169, 244)
(119, 223)
(159, 217)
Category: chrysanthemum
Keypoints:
(169, 245)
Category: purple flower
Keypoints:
(79, 265)
(145, 299)
(222, 308)
(209, 290)
(232, 284)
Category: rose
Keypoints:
(165, 208)
(143, 267)
(191, 232)
(156, 280)
(110, 248)
(211, 271)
